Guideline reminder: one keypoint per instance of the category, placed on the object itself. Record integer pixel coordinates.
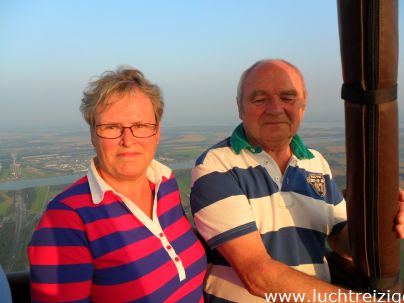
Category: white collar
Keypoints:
(98, 187)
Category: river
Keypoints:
(68, 179)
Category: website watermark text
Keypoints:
(334, 297)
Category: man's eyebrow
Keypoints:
(289, 92)
(257, 93)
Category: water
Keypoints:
(181, 165)
(20, 184)
(68, 179)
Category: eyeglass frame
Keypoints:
(123, 129)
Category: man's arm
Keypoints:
(339, 242)
(261, 274)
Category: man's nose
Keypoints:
(274, 105)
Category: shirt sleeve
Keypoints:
(220, 208)
(60, 260)
(334, 194)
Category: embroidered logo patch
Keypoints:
(317, 182)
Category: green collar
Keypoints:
(238, 141)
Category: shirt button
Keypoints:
(176, 259)
(277, 178)
(161, 235)
(168, 246)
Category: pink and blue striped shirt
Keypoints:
(94, 245)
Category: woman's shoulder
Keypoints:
(74, 195)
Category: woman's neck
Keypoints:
(137, 190)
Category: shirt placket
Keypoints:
(272, 168)
(155, 228)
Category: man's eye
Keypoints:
(260, 100)
(288, 98)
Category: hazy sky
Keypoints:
(194, 50)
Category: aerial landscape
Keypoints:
(195, 52)
(34, 168)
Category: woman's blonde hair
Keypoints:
(122, 81)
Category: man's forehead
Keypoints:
(277, 66)
(272, 72)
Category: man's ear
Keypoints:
(240, 108)
(304, 104)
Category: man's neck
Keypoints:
(281, 156)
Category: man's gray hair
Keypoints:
(251, 68)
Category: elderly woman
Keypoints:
(118, 234)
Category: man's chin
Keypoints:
(275, 131)
(280, 128)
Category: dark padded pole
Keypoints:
(369, 53)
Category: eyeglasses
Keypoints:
(113, 131)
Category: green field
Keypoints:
(184, 183)
(5, 203)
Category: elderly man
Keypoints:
(263, 202)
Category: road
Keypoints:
(15, 166)
(16, 245)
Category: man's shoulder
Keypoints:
(317, 155)
(316, 164)
(219, 149)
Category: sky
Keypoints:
(195, 50)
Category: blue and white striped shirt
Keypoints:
(238, 189)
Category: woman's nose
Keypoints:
(127, 136)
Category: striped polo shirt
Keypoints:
(94, 244)
(238, 189)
